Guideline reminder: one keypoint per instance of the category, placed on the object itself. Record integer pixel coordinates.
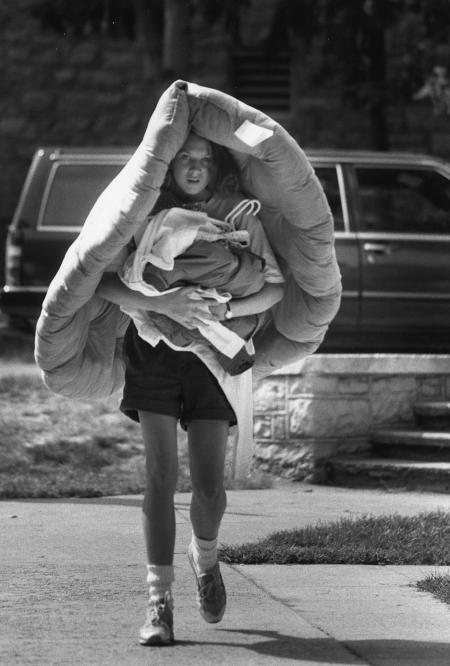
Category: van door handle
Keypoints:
(378, 248)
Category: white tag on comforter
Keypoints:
(252, 134)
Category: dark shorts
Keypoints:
(164, 381)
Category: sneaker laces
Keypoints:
(157, 612)
(157, 609)
(207, 582)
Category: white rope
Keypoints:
(246, 206)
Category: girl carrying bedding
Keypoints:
(166, 382)
(79, 344)
(184, 245)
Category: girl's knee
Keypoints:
(158, 497)
(162, 480)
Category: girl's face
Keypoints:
(192, 167)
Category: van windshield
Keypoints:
(71, 192)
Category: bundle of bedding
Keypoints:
(79, 335)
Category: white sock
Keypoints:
(204, 553)
(159, 580)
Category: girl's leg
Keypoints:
(207, 446)
(207, 441)
(160, 440)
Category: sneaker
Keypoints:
(211, 594)
(158, 627)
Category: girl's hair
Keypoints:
(225, 178)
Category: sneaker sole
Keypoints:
(156, 640)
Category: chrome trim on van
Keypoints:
(396, 236)
(350, 235)
(8, 289)
(114, 157)
(378, 158)
(406, 294)
(343, 195)
(48, 227)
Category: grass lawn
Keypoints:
(392, 539)
(437, 585)
(54, 447)
(51, 446)
(382, 540)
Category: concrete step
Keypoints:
(433, 415)
(371, 472)
(411, 443)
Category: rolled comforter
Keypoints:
(78, 335)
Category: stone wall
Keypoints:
(96, 90)
(328, 404)
(80, 90)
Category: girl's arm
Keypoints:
(273, 289)
(271, 293)
(183, 305)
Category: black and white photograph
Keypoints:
(243, 206)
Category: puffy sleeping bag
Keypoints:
(79, 335)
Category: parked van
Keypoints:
(392, 223)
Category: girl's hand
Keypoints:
(219, 225)
(219, 310)
(187, 306)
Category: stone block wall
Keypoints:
(96, 90)
(80, 89)
(328, 404)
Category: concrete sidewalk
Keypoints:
(73, 588)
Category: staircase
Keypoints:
(415, 457)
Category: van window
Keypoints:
(329, 181)
(399, 200)
(71, 192)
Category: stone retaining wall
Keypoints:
(328, 404)
(90, 89)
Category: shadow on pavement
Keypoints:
(283, 646)
(402, 651)
(115, 501)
